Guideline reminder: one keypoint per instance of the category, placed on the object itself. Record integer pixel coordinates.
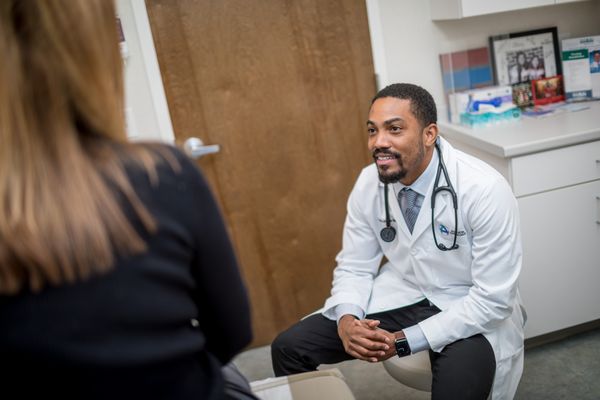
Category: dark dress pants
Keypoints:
(463, 370)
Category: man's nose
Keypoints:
(382, 141)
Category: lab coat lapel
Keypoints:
(443, 199)
(424, 219)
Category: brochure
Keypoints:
(581, 67)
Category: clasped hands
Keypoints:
(363, 339)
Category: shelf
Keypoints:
(529, 135)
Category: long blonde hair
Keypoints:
(61, 133)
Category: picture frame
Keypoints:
(522, 95)
(521, 57)
(547, 90)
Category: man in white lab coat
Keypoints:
(462, 303)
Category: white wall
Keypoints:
(146, 105)
(406, 43)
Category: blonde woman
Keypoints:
(117, 279)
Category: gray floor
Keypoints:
(569, 369)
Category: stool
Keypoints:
(323, 384)
(413, 371)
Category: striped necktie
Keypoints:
(409, 207)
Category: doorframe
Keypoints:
(377, 45)
(151, 69)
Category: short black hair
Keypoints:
(422, 104)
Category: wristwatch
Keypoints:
(402, 347)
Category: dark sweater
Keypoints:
(159, 325)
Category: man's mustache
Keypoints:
(378, 152)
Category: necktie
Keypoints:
(409, 207)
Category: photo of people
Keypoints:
(535, 68)
(525, 65)
(517, 69)
(595, 61)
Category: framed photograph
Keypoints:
(547, 90)
(522, 95)
(525, 56)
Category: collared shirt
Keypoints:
(423, 182)
(414, 334)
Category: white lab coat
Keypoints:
(475, 286)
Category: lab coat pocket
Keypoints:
(446, 229)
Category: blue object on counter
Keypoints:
(496, 102)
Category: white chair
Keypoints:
(323, 384)
(413, 371)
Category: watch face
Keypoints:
(402, 347)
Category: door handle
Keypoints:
(195, 148)
(597, 218)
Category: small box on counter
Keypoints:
(547, 90)
(483, 106)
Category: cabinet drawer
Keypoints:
(552, 169)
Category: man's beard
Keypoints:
(393, 177)
(390, 177)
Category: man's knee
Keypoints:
(465, 369)
(285, 354)
(306, 345)
(282, 343)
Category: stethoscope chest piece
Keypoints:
(388, 234)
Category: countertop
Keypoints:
(529, 135)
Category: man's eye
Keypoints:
(371, 131)
(395, 129)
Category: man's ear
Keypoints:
(430, 134)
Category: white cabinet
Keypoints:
(561, 257)
(455, 9)
(553, 167)
(558, 192)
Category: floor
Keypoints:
(568, 369)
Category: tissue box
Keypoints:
(507, 112)
(483, 106)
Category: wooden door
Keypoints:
(284, 86)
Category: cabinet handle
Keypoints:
(598, 199)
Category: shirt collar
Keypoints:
(421, 185)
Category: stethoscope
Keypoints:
(388, 234)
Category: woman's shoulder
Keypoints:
(160, 165)
(162, 155)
